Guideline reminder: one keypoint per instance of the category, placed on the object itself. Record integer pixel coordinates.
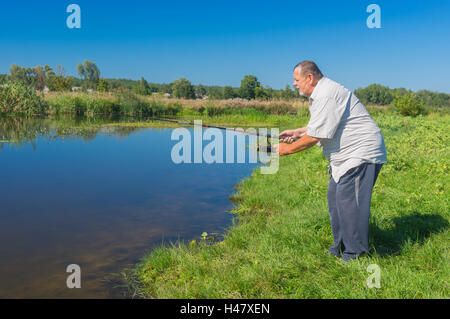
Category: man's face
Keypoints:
(303, 84)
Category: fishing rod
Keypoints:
(268, 136)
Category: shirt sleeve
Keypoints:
(326, 115)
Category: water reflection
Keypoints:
(19, 130)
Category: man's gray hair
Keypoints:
(307, 67)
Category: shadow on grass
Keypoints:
(415, 228)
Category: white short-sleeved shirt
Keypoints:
(349, 136)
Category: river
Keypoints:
(99, 198)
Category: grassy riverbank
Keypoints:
(127, 103)
(278, 245)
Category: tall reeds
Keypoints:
(16, 98)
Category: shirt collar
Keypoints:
(316, 89)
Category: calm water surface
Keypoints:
(101, 200)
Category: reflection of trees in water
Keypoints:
(25, 130)
(19, 130)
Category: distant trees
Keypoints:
(102, 85)
(57, 82)
(166, 88)
(214, 92)
(288, 93)
(404, 101)
(116, 83)
(434, 99)
(182, 88)
(4, 78)
(40, 78)
(142, 88)
(260, 93)
(375, 94)
(25, 76)
(200, 91)
(48, 70)
(248, 85)
(90, 72)
(228, 92)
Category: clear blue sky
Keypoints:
(218, 42)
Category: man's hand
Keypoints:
(289, 136)
(303, 143)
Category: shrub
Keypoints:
(102, 85)
(174, 108)
(278, 109)
(77, 105)
(101, 105)
(212, 110)
(64, 103)
(131, 104)
(409, 104)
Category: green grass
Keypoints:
(277, 247)
(122, 102)
(127, 103)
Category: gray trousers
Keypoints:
(349, 208)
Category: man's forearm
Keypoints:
(301, 144)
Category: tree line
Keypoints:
(42, 78)
(376, 94)
(45, 78)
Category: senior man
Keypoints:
(354, 146)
